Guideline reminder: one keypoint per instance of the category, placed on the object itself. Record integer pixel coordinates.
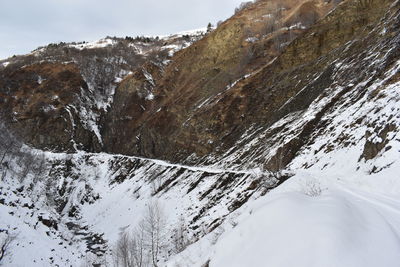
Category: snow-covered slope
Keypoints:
(319, 186)
(338, 227)
(95, 197)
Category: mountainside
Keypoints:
(272, 140)
(69, 87)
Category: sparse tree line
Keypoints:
(142, 246)
(16, 160)
(147, 243)
(243, 6)
(143, 39)
(17, 163)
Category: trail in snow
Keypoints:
(209, 169)
(337, 228)
(316, 218)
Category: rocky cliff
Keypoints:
(151, 111)
(284, 98)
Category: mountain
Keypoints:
(271, 140)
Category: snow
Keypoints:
(251, 39)
(40, 80)
(338, 209)
(338, 216)
(337, 228)
(118, 80)
(198, 31)
(48, 108)
(148, 77)
(150, 97)
(344, 214)
(89, 120)
(5, 64)
(95, 44)
(34, 244)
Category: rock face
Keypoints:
(214, 92)
(36, 101)
(281, 89)
(56, 97)
(176, 125)
(269, 61)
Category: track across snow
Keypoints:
(340, 227)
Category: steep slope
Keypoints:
(314, 89)
(343, 151)
(162, 94)
(310, 137)
(56, 97)
(73, 204)
(242, 44)
(304, 72)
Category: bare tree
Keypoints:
(137, 247)
(10, 146)
(39, 167)
(209, 27)
(129, 250)
(6, 240)
(181, 238)
(122, 253)
(153, 225)
(142, 247)
(26, 161)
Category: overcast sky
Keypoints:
(27, 24)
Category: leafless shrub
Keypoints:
(93, 260)
(243, 6)
(233, 222)
(6, 239)
(31, 164)
(364, 3)
(216, 234)
(10, 147)
(26, 162)
(312, 188)
(180, 236)
(11, 150)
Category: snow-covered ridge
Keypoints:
(199, 31)
(96, 44)
(108, 41)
